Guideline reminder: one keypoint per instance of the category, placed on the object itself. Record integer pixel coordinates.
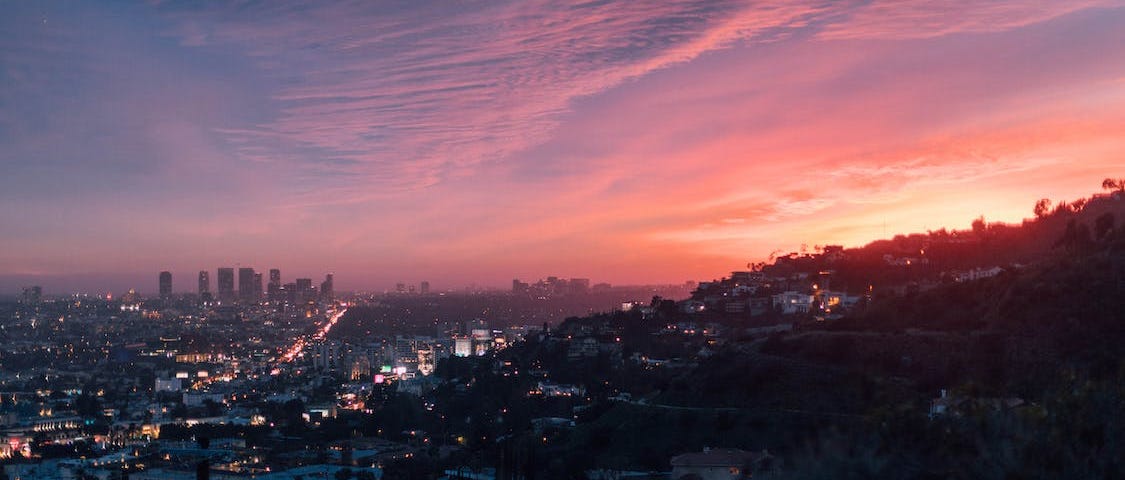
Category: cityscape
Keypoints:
(529, 240)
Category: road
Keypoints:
(300, 343)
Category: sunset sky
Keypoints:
(475, 142)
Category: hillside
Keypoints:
(1031, 360)
(921, 257)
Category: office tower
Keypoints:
(273, 288)
(32, 295)
(205, 286)
(289, 293)
(226, 284)
(426, 362)
(304, 290)
(257, 286)
(462, 346)
(274, 292)
(327, 291)
(406, 352)
(165, 284)
(246, 284)
(424, 288)
(204, 282)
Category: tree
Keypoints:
(1076, 238)
(1113, 184)
(214, 409)
(179, 411)
(1103, 225)
(979, 226)
(1042, 208)
(87, 405)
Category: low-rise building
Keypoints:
(791, 302)
(723, 464)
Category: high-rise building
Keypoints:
(289, 293)
(406, 352)
(226, 284)
(204, 282)
(246, 284)
(425, 360)
(305, 290)
(424, 287)
(257, 286)
(165, 284)
(273, 288)
(32, 295)
(462, 346)
(327, 291)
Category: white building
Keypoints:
(168, 385)
(462, 346)
(792, 302)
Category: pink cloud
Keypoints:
(895, 19)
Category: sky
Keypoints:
(473, 142)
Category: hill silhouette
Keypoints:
(919, 257)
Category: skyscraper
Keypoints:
(289, 293)
(226, 284)
(424, 288)
(273, 290)
(246, 284)
(32, 295)
(205, 286)
(165, 284)
(204, 282)
(257, 286)
(327, 291)
(304, 290)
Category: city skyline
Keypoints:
(472, 144)
(533, 239)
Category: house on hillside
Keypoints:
(958, 405)
(830, 300)
(792, 302)
(978, 273)
(723, 464)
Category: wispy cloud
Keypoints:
(898, 19)
(403, 95)
(376, 98)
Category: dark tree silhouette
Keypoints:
(979, 226)
(1103, 225)
(1042, 208)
